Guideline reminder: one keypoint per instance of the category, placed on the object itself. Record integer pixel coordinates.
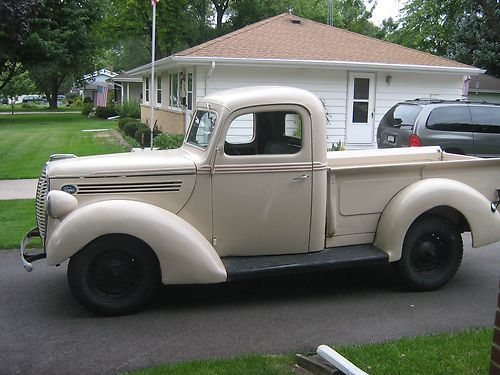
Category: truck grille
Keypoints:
(41, 193)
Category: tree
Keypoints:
(476, 43)
(347, 14)
(18, 85)
(61, 43)
(15, 19)
(467, 31)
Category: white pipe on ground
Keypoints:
(330, 355)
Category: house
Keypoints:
(95, 79)
(128, 88)
(357, 77)
(484, 87)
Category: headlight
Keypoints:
(60, 203)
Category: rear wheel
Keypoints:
(114, 275)
(432, 253)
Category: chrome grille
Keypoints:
(41, 193)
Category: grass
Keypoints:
(465, 352)
(27, 141)
(17, 217)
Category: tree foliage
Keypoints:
(464, 30)
(15, 18)
(61, 43)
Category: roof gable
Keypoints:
(288, 37)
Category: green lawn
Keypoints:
(17, 217)
(464, 352)
(27, 141)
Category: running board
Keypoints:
(249, 267)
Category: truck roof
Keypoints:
(263, 95)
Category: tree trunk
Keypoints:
(54, 91)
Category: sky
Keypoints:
(386, 9)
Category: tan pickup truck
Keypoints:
(253, 192)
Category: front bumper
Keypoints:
(28, 258)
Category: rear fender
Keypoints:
(422, 196)
(185, 256)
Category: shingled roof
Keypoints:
(291, 40)
(294, 38)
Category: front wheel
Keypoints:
(114, 275)
(432, 252)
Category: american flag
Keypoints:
(102, 96)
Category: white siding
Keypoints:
(330, 85)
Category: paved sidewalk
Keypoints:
(17, 189)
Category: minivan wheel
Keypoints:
(432, 253)
(114, 275)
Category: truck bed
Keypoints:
(361, 183)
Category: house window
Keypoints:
(173, 98)
(146, 93)
(158, 90)
(190, 91)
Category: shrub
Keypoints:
(87, 108)
(125, 120)
(129, 128)
(130, 109)
(131, 141)
(144, 130)
(88, 99)
(105, 112)
(78, 102)
(168, 141)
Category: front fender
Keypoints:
(185, 256)
(417, 198)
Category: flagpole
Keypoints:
(152, 91)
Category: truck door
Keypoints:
(261, 182)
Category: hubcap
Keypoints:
(428, 252)
(113, 274)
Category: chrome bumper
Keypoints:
(28, 258)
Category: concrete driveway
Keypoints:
(45, 331)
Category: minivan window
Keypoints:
(401, 115)
(486, 119)
(450, 118)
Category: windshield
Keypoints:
(202, 128)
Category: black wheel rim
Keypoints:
(429, 252)
(113, 274)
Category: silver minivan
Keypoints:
(457, 126)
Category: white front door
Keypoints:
(360, 108)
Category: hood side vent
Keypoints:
(129, 187)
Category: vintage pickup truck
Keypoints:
(253, 192)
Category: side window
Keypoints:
(261, 133)
(450, 118)
(486, 119)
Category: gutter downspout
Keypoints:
(209, 74)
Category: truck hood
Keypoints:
(124, 164)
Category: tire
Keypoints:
(432, 253)
(114, 275)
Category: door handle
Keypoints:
(301, 178)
